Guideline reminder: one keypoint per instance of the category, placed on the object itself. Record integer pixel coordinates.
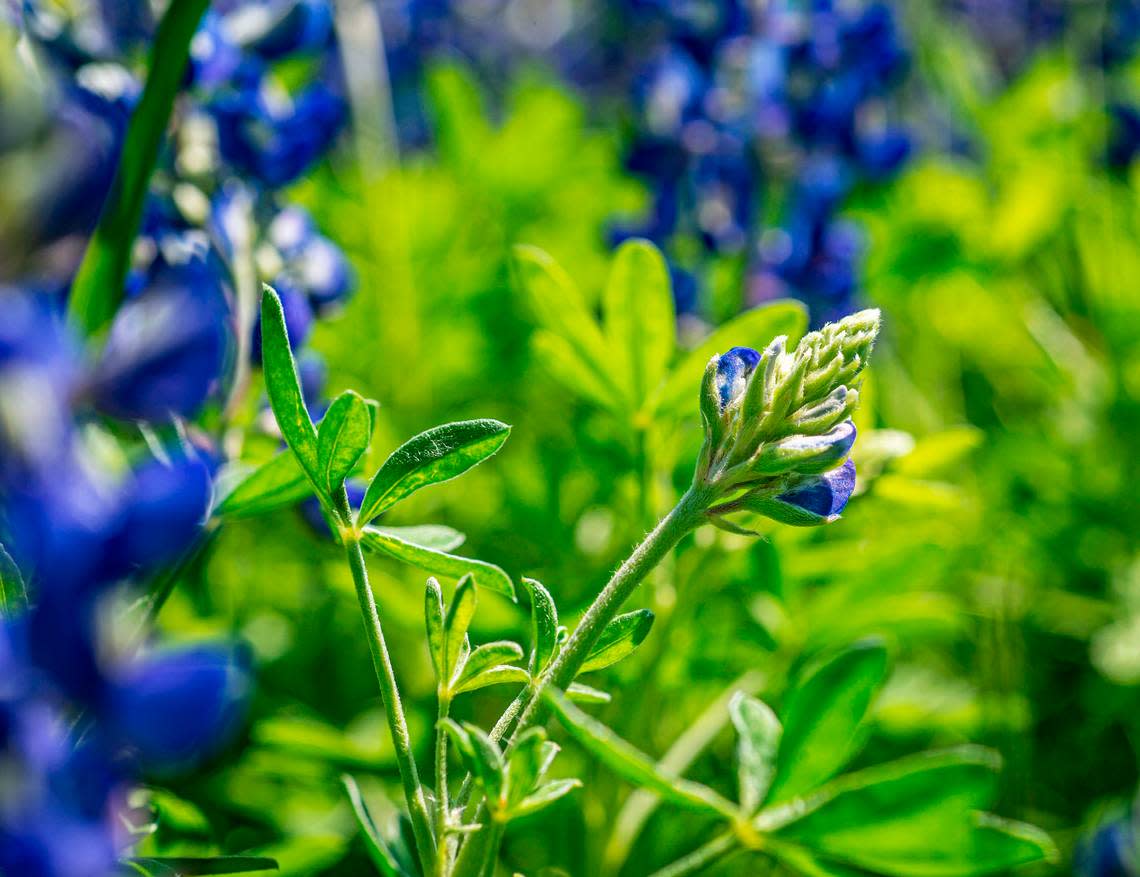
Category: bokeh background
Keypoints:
(966, 166)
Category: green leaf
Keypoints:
(529, 759)
(278, 482)
(440, 563)
(559, 307)
(160, 866)
(823, 717)
(544, 796)
(488, 656)
(433, 618)
(13, 594)
(437, 537)
(912, 818)
(640, 320)
(543, 625)
(482, 757)
(754, 328)
(383, 857)
(284, 388)
(618, 639)
(101, 280)
(579, 693)
(434, 456)
(343, 437)
(455, 624)
(631, 764)
(758, 731)
(504, 674)
(559, 358)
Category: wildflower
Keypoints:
(777, 424)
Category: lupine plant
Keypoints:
(777, 434)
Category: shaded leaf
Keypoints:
(383, 857)
(579, 693)
(488, 656)
(188, 866)
(544, 796)
(433, 619)
(823, 717)
(13, 594)
(504, 674)
(455, 624)
(432, 457)
(278, 482)
(543, 625)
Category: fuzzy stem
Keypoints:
(442, 859)
(393, 707)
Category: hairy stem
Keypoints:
(393, 707)
(442, 858)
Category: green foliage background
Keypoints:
(994, 544)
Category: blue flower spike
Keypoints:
(778, 428)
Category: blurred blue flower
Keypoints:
(1111, 849)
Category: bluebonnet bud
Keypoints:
(777, 424)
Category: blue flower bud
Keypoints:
(813, 501)
(732, 373)
(806, 454)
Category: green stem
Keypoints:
(393, 707)
(98, 286)
(701, 858)
(442, 858)
(685, 516)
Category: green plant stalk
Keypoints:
(696, 861)
(442, 858)
(393, 707)
(98, 287)
(686, 516)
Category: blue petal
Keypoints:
(825, 495)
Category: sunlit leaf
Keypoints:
(440, 563)
(343, 437)
(618, 639)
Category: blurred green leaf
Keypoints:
(192, 867)
(631, 764)
(284, 387)
(440, 563)
(579, 693)
(13, 595)
(434, 456)
(823, 716)
(544, 796)
(618, 639)
(640, 321)
(343, 437)
(100, 282)
(382, 855)
(758, 739)
(278, 482)
(678, 396)
(560, 309)
(915, 817)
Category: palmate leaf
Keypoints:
(486, 575)
(640, 320)
(632, 765)
(101, 279)
(434, 456)
(823, 719)
(915, 817)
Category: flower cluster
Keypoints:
(778, 428)
(781, 104)
(83, 710)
